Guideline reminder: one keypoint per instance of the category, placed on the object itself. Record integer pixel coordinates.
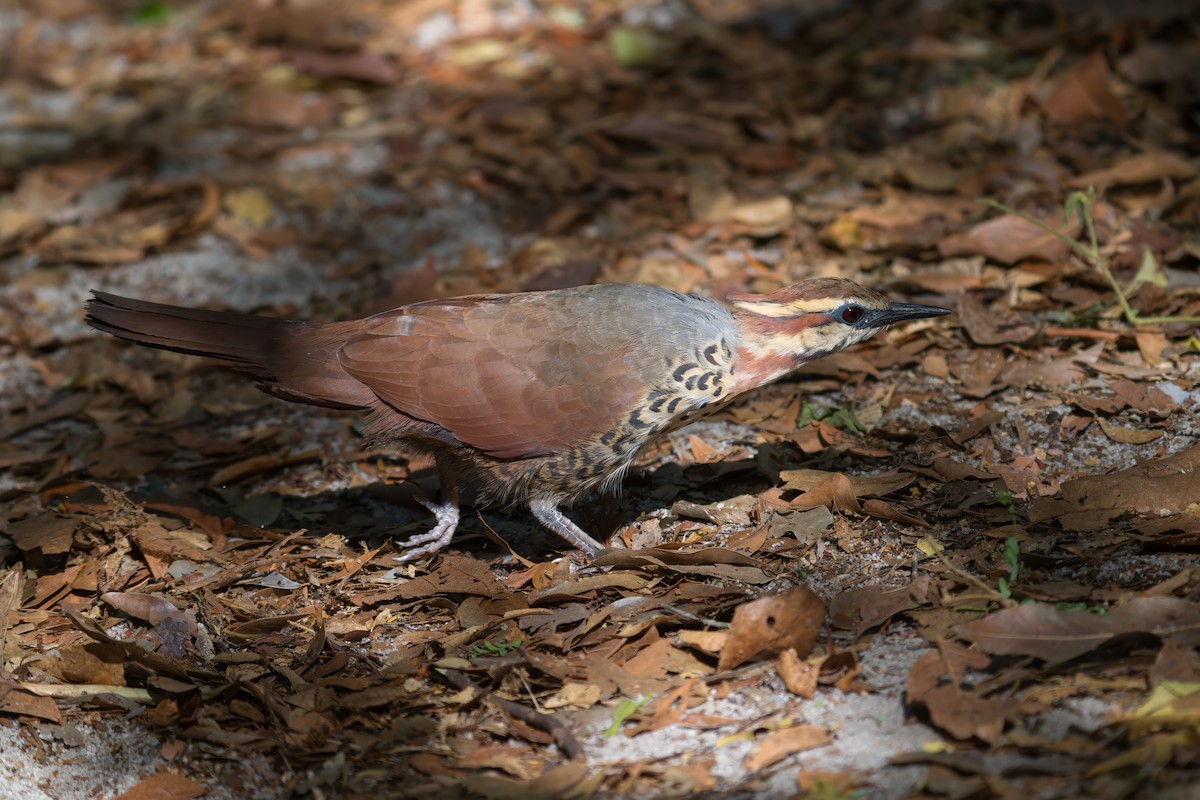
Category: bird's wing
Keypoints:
(509, 375)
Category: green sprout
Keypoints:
(489, 649)
(1012, 555)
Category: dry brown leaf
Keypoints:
(1008, 239)
(778, 745)
(799, 676)
(936, 366)
(861, 609)
(934, 681)
(711, 642)
(147, 607)
(1158, 488)
(836, 490)
(772, 624)
(714, 562)
(164, 786)
(979, 371)
(1151, 345)
(93, 663)
(1083, 92)
(734, 511)
(702, 451)
(1064, 371)
(15, 700)
(882, 509)
(766, 217)
(1128, 435)
(1056, 635)
(1143, 168)
(994, 324)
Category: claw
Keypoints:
(548, 514)
(446, 515)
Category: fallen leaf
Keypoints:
(164, 786)
(1008, 239)
(992, 324)
(778, 745)
(1143, 168)
(1157, 488)
(1083, 92)
(862, 609)
(935, 682)
(1056, 635)
(800, 677)
(1128, 435)
(772, 624)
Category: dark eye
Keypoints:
(851, 315)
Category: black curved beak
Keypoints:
(899, 312)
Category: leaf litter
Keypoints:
(217, 569)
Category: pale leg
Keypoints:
(445, 514)
(548, 514)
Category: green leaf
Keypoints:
(624, 710)
(152, 14)
(490, 649)
(632, 47)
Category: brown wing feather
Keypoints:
(505, 375)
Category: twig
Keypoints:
(561, 735)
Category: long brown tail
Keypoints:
(290, 359)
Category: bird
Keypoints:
(540, 398)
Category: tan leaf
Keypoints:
(1083, 92)
(799, 676)
(164, 786)
(772, 624)
(1143, 168)
(778, 745)
(1128, 435)
(1151, 345)
(1008, 239)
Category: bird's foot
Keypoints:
(548, 514)
(446, 513)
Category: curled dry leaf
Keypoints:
(93, 663)
(800, 677)
(18, 701)
(882, 509)
(1128, 435)
(146, 607)
(772, 624)
(778, 745)
(836, 490)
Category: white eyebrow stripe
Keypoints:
(796, 307)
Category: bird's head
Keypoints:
(808, 320)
